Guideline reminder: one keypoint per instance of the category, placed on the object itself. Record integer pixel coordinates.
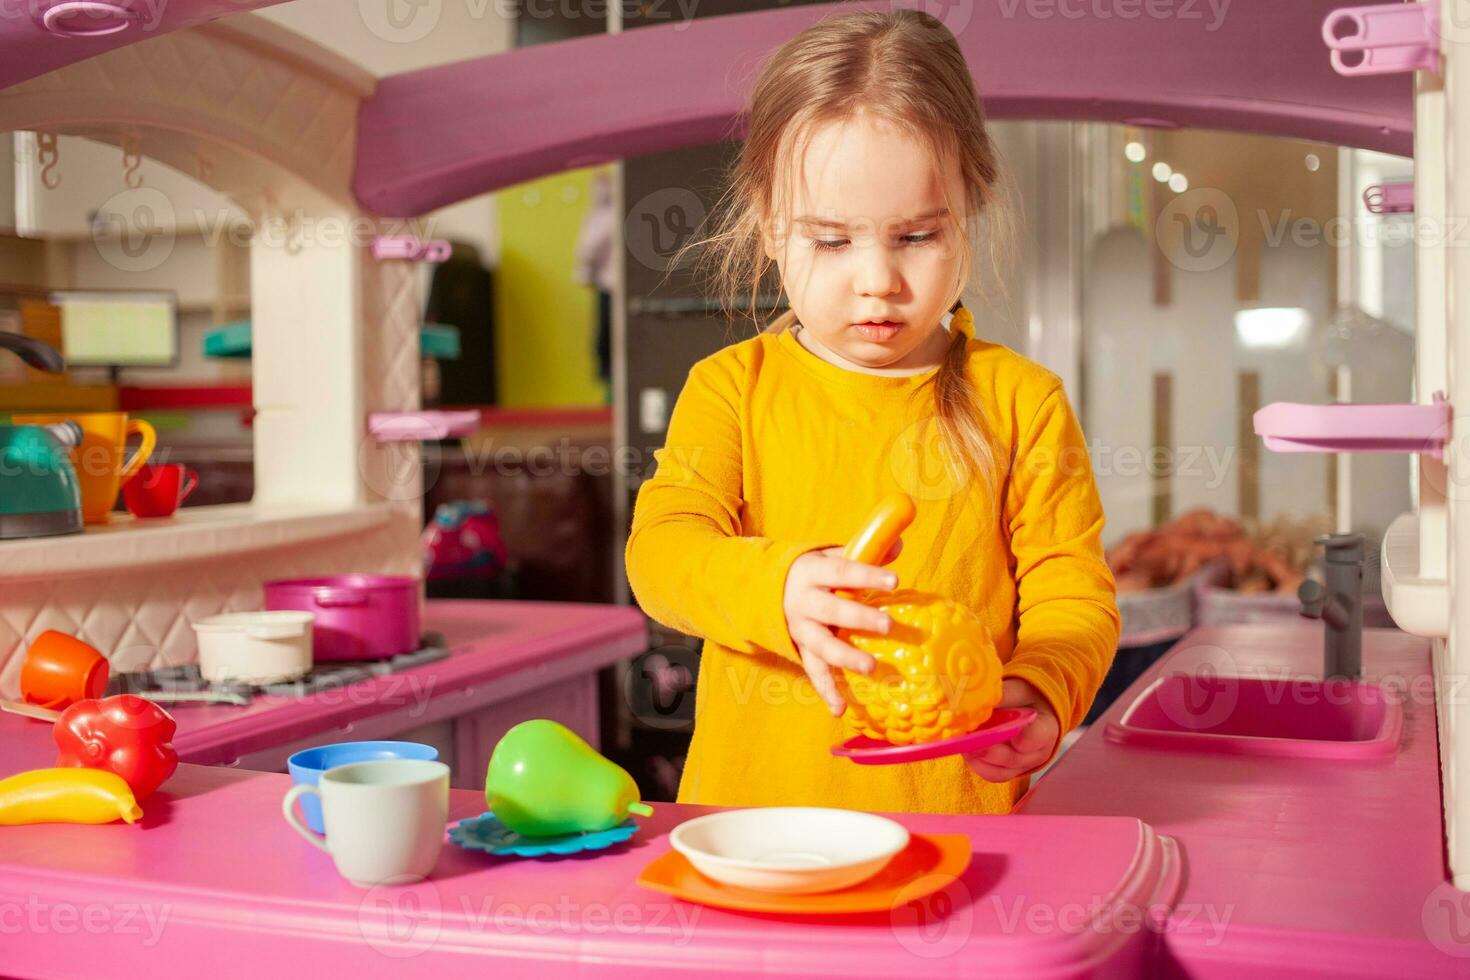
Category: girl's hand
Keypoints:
(812, 610)
(1031, 747)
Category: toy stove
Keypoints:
(183, 682)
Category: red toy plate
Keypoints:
(1003, 725)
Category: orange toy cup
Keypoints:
(60, 670)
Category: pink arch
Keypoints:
(432, 137)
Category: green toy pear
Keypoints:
(544, 781)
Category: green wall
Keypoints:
(545, 321)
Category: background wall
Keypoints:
(545, 320)
(1155, 311)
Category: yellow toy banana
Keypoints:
(68, 795)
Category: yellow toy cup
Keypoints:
(938, 674)
(99, 463)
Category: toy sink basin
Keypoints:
(1306, 718)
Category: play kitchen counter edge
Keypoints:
(214, 882)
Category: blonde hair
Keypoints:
(904, 67)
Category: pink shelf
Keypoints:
(417, 426)
(1290, 427)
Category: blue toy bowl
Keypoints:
(306, 767)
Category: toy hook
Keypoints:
(48, 155)
(132, 160)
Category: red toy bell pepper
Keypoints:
(125, 734)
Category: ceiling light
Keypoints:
(1271, 327)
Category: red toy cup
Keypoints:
(60, 670)
(157, 490)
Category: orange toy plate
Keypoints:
(928, 864)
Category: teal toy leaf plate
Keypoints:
(488, 834)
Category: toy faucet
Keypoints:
(1339, 604)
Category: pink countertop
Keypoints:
(214, 883)
(1332, 867)
(489, 641)
(1230, 865)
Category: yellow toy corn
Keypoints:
(938, 674)
(67, 795)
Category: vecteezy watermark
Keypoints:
(774, 689)
(1450, 476)
(658, 687)
(1453, 24)
(401, 470)
(400, 21)
(1210, 13)
(389, 692)
(37, 917)
(1199, 229)
(660, 224)
(406, 470)
(151, 12)
(1208, 684)
(1104, 915)
(1202, 699)
(135, 230)
(407, 21)
(1445, 919)
(954, 16)
(932, 917)
(402, 920)
(933, 922)
(917, 463)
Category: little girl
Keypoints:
(866, 167)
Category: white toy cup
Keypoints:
(384, 819)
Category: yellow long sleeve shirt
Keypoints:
(773, 452)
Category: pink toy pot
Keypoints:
(358, 617)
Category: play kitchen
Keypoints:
(552, 814)
(61, 471)
(367, 824)
(1269, 799)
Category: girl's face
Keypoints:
(868, 255)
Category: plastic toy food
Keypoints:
(1271, 558)
(124, 734)
(543, 780)
(938, 674)
(885, 524)
(67, 796)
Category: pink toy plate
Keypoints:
(1003, 725)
